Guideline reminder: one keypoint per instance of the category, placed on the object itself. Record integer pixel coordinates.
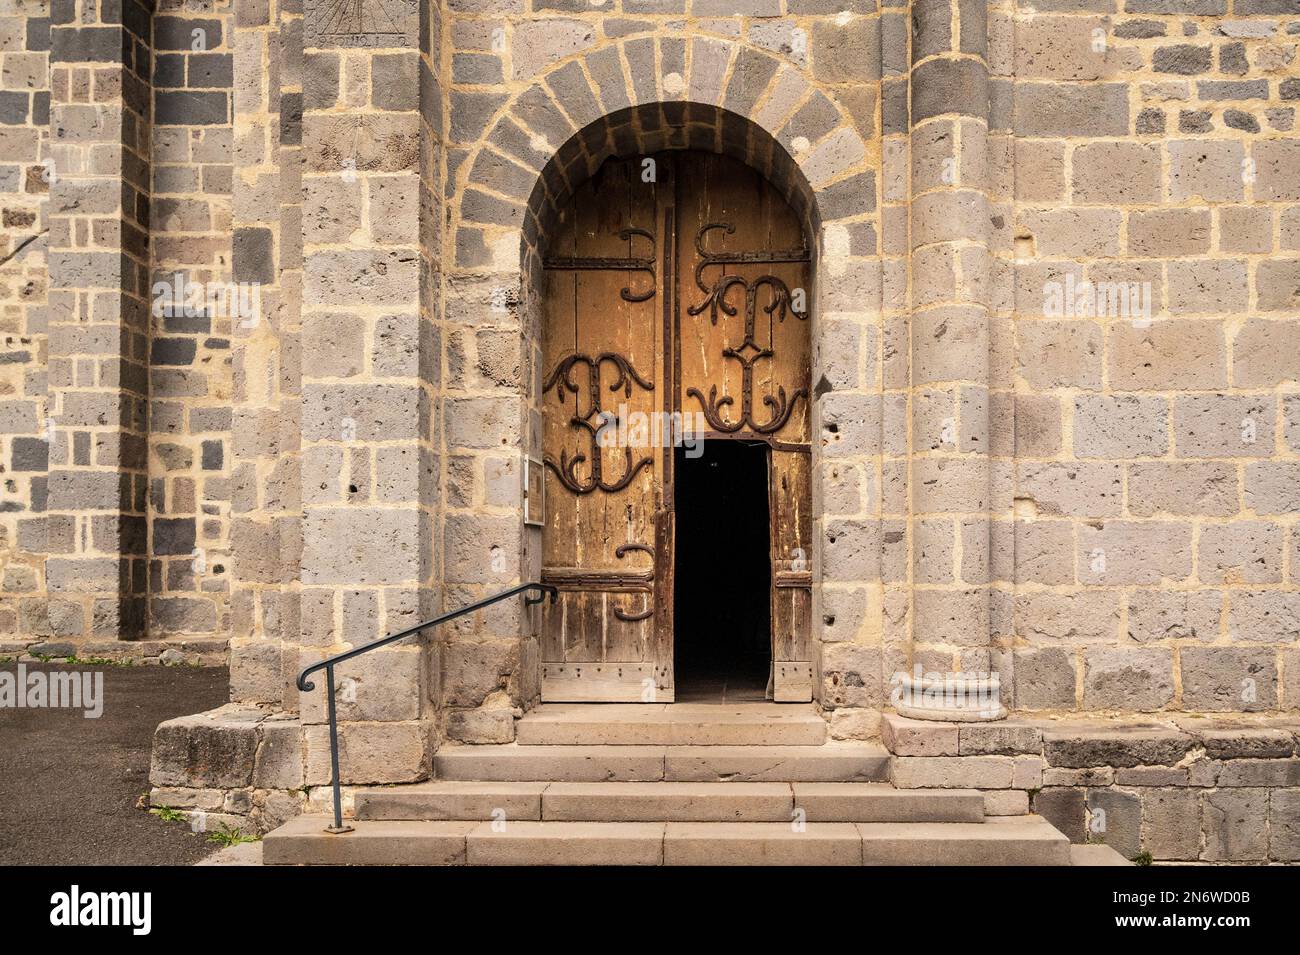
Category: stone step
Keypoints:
(1001, 840)
(830, 762)
(674, 724)
(761, 843)
(1029, 841)
(303, 841)
(1096, 854)
(451, 799)
(566, 843)
(666, 802)
(880, 802)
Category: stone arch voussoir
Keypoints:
(641, 94)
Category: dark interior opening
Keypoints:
(722, 614)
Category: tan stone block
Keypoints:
(851, 675)
(1273, 487)
(361, 142)
(382, 685)
(1040, 170)
(932, 148)
(369, 753)
(331, 209)
(934, 281)
(1223, 426)
(1044, 552)
(1037, 426)
(1277, 169)
(1182, 488)
(361, 546)
(1208, 170)
(392, 208)
(1026, 772)
(1166, 232)
(1061, 48)
(1073, 233)
(1235, 825)
(950, 485)
(1116, 173)
(337, 343)
(538, 43)
(1165, 614)
(1120, 426)
(1207, 286)
(1290, 229)
(1290, 679)
(955, 344)
(1085, 616)
(1044, 678)
(908, 737)
(952, 616)
(1082, 489)
(1226, 679)
(388, 277)
(1245, 229)
(1167, 355)
(1116, 678)
(1134, 552)
(1241, 552)
(953, 772)
(1266, 353)
(1056, 354)
(1171, 820)
(1276, 285)
(1264, 616)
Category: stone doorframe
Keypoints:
(904, 487)
(716, 95)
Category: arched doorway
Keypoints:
(675, 402)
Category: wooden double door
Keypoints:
(677, 301)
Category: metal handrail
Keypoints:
(329, 663)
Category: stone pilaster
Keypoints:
(263, 425)
(951, 463)
(367, 384)
(99, 313)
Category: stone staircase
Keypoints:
(669, 784)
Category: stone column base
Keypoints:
(949, 699)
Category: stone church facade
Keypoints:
(273, 289)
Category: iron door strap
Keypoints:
(613, 263)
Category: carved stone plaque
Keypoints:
(361, 23)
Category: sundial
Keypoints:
(361, 23)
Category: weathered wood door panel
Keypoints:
(682, 292)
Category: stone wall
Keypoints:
(1153, 517)
(25, 172)
(190, 374)
(1098, 504)
(1190, 789)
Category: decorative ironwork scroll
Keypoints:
(624, 549)
(649, 611)
(561, 379)
(645, 614)
(748, 352)
(613, 264)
